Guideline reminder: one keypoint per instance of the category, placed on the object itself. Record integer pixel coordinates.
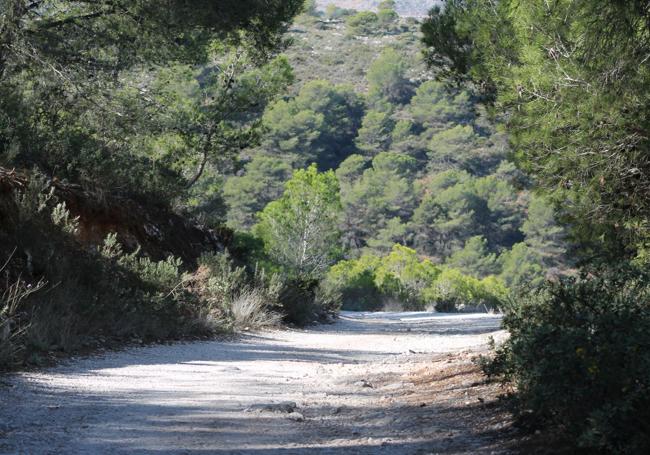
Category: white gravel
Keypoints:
(282, 392)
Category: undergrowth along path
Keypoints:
(393, 383)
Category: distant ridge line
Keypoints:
(405, 8)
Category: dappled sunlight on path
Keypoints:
(340, 385)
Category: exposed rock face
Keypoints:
(406, 8)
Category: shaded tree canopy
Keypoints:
(574, 80)
(114, 34)
(300, 229)
(109, 93)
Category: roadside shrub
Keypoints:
(450, 291)
(354, 280)
(13, 320)
(328, 301)
(298, 303)
(401, 279)
(158, 273)
(454, 291)
(579, 356)
(250, 310)
(230, 294)
(223, 279)
(403, 276)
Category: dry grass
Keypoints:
(11, 329)
(249, 311)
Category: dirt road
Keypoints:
(386, 383)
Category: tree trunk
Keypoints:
(204, 160)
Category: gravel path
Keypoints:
(340, 388)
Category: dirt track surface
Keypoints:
(382, 383)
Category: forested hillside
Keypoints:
(172, 170)
(417, 164)
(317, 154)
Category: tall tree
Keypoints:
(318, 126)
(573, 78)
(543, 234)
(435, 107)
(375, 133)
(372, 197)
(475, 258)
(300, 230)
(387, 78)
(74, 77)
(247, 193)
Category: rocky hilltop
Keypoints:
(407, 8)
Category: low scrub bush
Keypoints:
(363, 23)
(14, 321)
(298, 300)
(164, 275)
(402, 279)
(355, 282)
(243, 300)
(454, 291)
(579, 356)
(250, 310)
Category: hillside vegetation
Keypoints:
(103, 138)
(572, 83)
(173, 172)
(322, 167)
(431, 214)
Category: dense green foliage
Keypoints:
(318, 125)
(402, 280)
(115, 100)
(342, 149)
(356, 172)
(300, 229)
(578, 356)
(131, 94)
(572, 81)
(418, 164)
(577, 88)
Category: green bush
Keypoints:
(355, 282)
(13, 324)
(298, 301)
(403, 277)
(363, 23)
(333, 12)
(387, 16)
(579, 356)
(235, 297)
(224, 279)
(453, 291)
(373, 282)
